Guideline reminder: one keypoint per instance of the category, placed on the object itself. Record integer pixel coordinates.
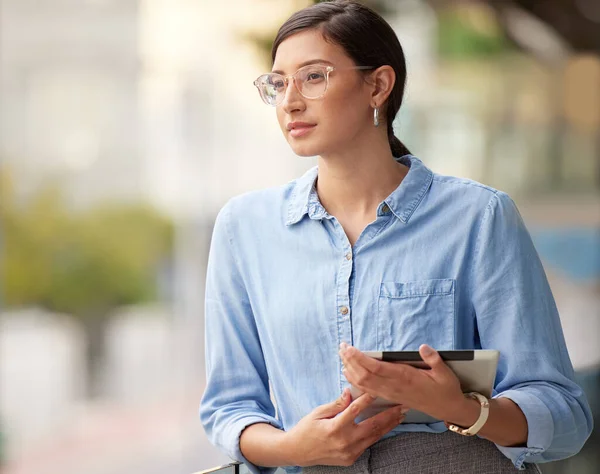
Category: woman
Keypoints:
(371, 250)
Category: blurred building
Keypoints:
(69, 74)
(130, 100)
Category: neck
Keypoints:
(354, 181)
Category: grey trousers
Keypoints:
(428, 453)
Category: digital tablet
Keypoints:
(476, 370)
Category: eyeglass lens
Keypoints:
(311, 81)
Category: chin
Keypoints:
(305, 153)
(307, 147)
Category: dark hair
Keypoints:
(365, 36)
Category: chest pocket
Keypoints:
(414, 313)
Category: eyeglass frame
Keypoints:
(328, 70)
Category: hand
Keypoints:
(434, 391)
(322, 438)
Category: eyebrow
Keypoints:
(306, 63)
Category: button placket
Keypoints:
(344, 310)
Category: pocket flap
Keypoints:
(410, 289)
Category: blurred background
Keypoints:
(126, 124)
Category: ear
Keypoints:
(382, 81)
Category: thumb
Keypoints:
(329, 410)
(432, 358)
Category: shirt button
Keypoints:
(349, 256)
(385, 209)
(344, 310)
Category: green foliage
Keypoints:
(470, 32)
(82, 263)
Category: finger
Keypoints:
(375, 427)
(352, 377)
(358, 376)
(386, 387)
(353, 357)
(371, 384)
(432, 358)
(331, 409)
(361, 370)
(354, 409)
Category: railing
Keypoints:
(232, 468)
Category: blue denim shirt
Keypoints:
(447, 262)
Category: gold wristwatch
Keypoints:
(483, 416)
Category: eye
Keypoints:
(315, 76)
(277, 82)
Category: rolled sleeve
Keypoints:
(516, 314)
(226, 435)
(237, 387)
(233, 434)
(540, 428)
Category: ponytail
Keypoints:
(398, 148)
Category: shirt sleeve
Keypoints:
(517, 315)
(237, 389)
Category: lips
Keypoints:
(295, 125)
(298, 129)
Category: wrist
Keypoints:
(285, 446)
(465, 413)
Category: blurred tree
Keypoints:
(470, 31)
(576, 22)
(83, 264)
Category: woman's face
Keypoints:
(338, 118)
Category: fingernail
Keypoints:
(426, 350)
(404, 411)
(343, 347)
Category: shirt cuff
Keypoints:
(540, 428)
(234, 434)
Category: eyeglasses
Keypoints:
(311, 81)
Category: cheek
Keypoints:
(340, 121)
(343, 119)
(280, 118)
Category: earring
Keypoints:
(376, 117)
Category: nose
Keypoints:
(292, 100)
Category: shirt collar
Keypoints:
(402, 202)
